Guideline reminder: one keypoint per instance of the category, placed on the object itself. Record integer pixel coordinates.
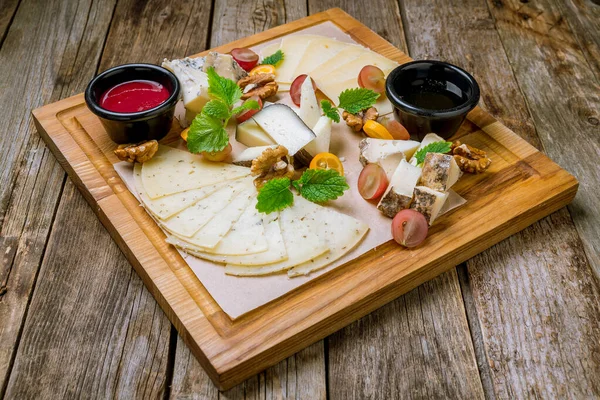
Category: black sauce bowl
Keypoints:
(406, 82)
(135, 127)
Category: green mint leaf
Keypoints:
(216, 109)
(321, 185)
(223, 89)
(357, 99)
(274, 59)
(275, 195)
(435, 147)
(330, 111)
(250, 104)
(207, 134)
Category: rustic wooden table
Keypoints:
(520, 320)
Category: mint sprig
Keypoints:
(274, 59)
(316, 185)
(435, 147)
(351, 100)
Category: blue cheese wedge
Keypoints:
(398, 195)
(428, 202)
(440, 171)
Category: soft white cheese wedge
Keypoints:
(341, 232)
(386, 153)
(250, 134)
(399, 193)
(320, 144)
(174, 171)
(309, 107)
(428, 202)
(284, 126)
(440, 171)
(167, 206)
(428, 139)
(251, 153)
(302, 235)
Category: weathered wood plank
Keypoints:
(465, 34)
(30, 178)
(364, 357)
(301, 376)
(9, 8)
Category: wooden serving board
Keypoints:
(521, 187)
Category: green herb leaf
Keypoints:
(216, 109)
(274, 59)
(321, 185)
(250, 104)
(207, 134)
(357, 99)
(330, 111)
(275, 195)
(223, 89)
(435, 147)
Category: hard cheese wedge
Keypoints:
(190, 220)
(399, 193)
(341, 232)
(309, 107)
(440, 171)
(284, 126)
(167, 206)
(303, 239)
(174, 171)
(428, 202)
(318, 52)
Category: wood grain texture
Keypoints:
(522, 186)
(9, 8)
(30, 178)
(368, 359)
(563, 96)
(90, 330)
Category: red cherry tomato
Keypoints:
(295, 88)
(218, 155)
(395, 128)
(372, 77)
(372, 182)
(245, 57)
(409, 228)
(247, 114)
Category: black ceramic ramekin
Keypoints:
(431, 76)
(139, 126)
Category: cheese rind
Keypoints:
(428, 202)
(440, 171)
(399, 193)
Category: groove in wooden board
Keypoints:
(283, 327)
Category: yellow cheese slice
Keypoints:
(318, 52)
(293, 48)
(343, 57)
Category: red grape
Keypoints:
(296, 88)
(372, 182)
(395, 128)
(409, 228)
(249, 113)
(372, 77)
(245, 57)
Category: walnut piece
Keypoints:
(470, 159)
(140, 152)
(261, 85)
(370, 114)
(357, 121)
(272, 163)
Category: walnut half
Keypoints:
(470, 159)
(357, 121)
(272, 163)
(140, 152)
(261, 85)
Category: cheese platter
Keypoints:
(286, 200)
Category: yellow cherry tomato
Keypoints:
(327, 161)
(262, 69)
(184, 134)
(376, 130)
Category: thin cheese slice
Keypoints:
(351, 69)
(293, 48)
(318, 52)
(343, 57)
(341, 232)
(211, 234)
(174, 171)
(301, 231)
(167, 206)
(190, 220)
(276, 248)
(269, 49)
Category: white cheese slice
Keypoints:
(293, 48)
(189, 221)
(284, 126)
(246, 157)
(399, 192)
(269, 49)
(372, 150)
(440, 171)
(174, 171)
(428, 202)
(343, 57)
(250, 134)
(341, 232)
(247, 236)
(219, 225)
(350, 70)
(320, 144)
(453, 201)
(302, 235)
(318, 52)
(428, 139)
(309, 107)
(167, 206)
